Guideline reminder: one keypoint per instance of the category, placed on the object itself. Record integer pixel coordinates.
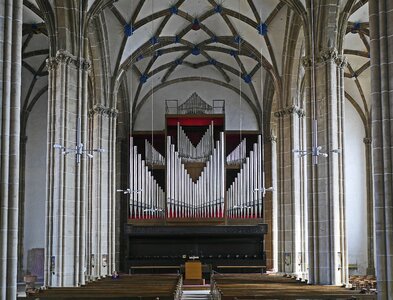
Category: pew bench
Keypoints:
(237, 268)
(171, 269)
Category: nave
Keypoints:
(264, 122)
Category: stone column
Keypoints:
(370, 207)
(101, 198)
(290, 209)
(65, 254)
(381, 41)
(22, 189)
(270, 202)
(10, 106)
(326, 218)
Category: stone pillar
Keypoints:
(326, 217)
(65, 255)
(270, 202)
(370, 207)
(101, 197)
(381, 41)
(10, 106)
(22, 189)
(290, 209)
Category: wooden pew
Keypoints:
(146, 287)
(258, 286)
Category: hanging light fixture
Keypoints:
(316, 150)
(79, 149)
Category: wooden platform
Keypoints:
(257, 286)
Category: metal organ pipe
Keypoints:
(204, 198)
(152, 156)
(190, 153)
(201, 199)
(146, 197)
(238, 155)
(244, 198)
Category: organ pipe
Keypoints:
(244, 195)
(147, 199)
(199, 153)
(201, 199)
(152, 156)
(205, 197)
(238, 155)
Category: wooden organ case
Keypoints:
(195, 192)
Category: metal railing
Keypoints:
(214, 289)
(179, 289)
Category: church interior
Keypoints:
(240, 148)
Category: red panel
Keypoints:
(197, 121)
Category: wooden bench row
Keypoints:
(253, 286)
(146, 287)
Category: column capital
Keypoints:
(289, 110)
(332, 55)
(306, 61)
(65, 57)
(271, 138)
(326, 55)
(99, 109)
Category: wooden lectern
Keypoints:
(193, 270)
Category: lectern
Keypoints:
(193, 270)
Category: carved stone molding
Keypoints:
(306, 61)
(64, 57)
(326, 55)
(367, 140)
(330, 54)
(293, 109)
(99, 109)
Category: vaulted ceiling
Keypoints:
(234, 44)
(222, 42)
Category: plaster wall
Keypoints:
(238, 114)
(35, 187)
(355, 190)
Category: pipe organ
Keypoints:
(195, 174)
(206, 172)
(205, 196)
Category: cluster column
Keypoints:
(10, 106)
(101, 203)
(65, 263)
(381, 40)
(326, 209)
(290, 193)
